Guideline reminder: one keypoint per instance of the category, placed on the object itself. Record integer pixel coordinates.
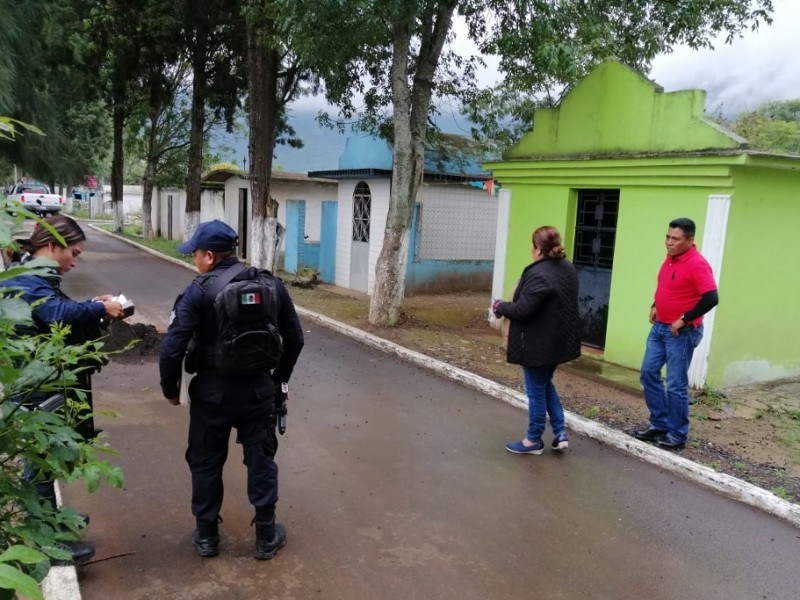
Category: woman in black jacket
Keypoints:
(544, 332)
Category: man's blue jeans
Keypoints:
(543, 400)
(669, 408)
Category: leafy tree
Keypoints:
(276, 75)
(772, 127)
(118, 31)
(160, 131)
(44, 83)
(212, 44)
(392, 56)
(547, 48)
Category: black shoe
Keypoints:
(206, 539)
(81, 552)
(667, 443)
(270, 537)
(649, 435)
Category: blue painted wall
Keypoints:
(371, 152)
(444, 275)
(366, 152)
(295, 227)
(298, 253)
(327, 241)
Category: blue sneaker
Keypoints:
(520, 448)
(560, 442)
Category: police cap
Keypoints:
(215, 236)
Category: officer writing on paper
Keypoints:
(237, 328)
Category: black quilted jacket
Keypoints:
(545, 328)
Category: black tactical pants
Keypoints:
(252, 414)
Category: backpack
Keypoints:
(247, 338)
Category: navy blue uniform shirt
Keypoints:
(193, 313)
(56, 307)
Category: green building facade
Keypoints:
(610, 168)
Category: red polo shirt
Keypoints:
(681, 281)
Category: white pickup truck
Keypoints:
(36, 197)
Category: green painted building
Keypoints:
(610, 168)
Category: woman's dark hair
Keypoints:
(66, 227)
(548, 240)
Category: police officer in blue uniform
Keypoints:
(219, 402)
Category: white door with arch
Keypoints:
(359, 252)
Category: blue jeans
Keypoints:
(543, 400)
(669, 407)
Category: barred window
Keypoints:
(362, 200)
(596, 228)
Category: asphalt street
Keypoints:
(395, 484)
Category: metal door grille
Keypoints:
(596, 228)
(362, 200)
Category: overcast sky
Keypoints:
(758, 68)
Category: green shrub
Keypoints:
(31, 529)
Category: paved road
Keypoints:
(395, 484)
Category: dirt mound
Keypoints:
(121, 334)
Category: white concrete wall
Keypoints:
(283, 190)
(459, 222)
(232, 185)
(161, 208)
(131, 198)
(380, 189)
(344, 231)
(314, 193)
(212, 206)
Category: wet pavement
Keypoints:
(395, 484)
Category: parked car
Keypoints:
(36, 197)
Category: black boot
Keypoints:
(80, 552)
(206, 538)
(270, 537)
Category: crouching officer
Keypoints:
(237, 328)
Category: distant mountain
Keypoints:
(321, 150)
(322, 146)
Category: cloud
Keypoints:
(754, 69)
(745, 74)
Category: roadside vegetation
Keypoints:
(32, 532)
(166, 247)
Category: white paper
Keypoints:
(186, 378)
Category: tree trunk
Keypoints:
(148, 183)
(411, 105)
(195, 166)
(262, 85)
(116, 164)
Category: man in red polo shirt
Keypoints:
(686, 291)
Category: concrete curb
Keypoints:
(61, 583)
(175, 261)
